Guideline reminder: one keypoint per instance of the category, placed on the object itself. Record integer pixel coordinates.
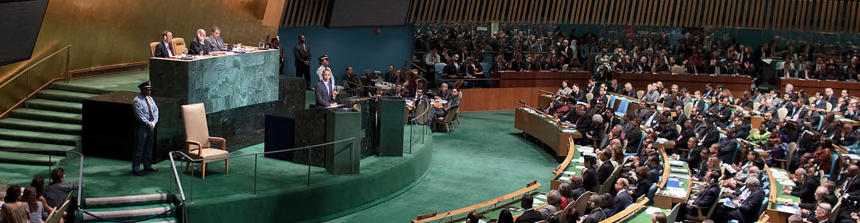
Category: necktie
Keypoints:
(328, 89)
(149, 105)
(305, 47)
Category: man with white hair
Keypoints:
(651, 95)
(789, 89)
(822, 213)
(629, 91)
(807, 209)
(748, 210)
(805, 188)
(829, 97)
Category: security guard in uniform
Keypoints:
(146, 113)
(324, 66)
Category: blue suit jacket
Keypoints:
(323, 95)
(750, 207)
(727, 150)
(621, 201)
(706, 199)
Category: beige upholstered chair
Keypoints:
(152, 49)
(198, 139)
(179, 46)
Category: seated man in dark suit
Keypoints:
(728, 147)
(530, 215)
(805, 186)
(576, 185)
(164, 49)
(706, 197)
(807, 210)
(597, 214)
(453, 102)
(215, 42)
(633, 136)
(198, 45)
(325, 91)
(606, 169)
(622, 198)
(667, 130)
(748, 210)
(654, 167)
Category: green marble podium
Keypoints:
(341, 124)
(391, 125)
(219, 82)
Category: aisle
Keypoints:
(484, 158)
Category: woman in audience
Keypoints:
(777, 150)
(33, 204)
(822, 154)
(506, 217)
(566, 194)
(553, 204)
(643, 182)
(14, 210)
(589, 174)
(745, 101)
(712, 164)
(564, 89)
(38, 184)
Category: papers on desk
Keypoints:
(579, 167)
(578, 160)
(678, 170)
(652, 210)
(538, 202)
(787, 182)
(569, 130)
(529, 110)
(729, 168)
(662, 141)
(783, 200)
(786, 209)
(541, 196)
(565, 176)
(678, 176)
(585, 150)
(676, 163)
(674, 192)
(674, 183)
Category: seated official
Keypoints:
(597, 214)
(215, 42)
(595, 132)
(694, 156)
(713, 163)
(643, 182)
(325, 92)
(805, 186)
(654, 168)
(576, 187)
(807, 210)
(606, 169)
(667, 130)
(705, 198)
(622, 198)
(198, 45)
(633, 135)
(553, 204)
(564, 89)
(453, 102)
(687, 133)
(351, 82)
(589, 174)
(747, 210)
(530, 215)
(444, 93)
(164, 49)
(566, 195)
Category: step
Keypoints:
(29, 158)
(40, 137)
(48, 116)
(78, 88)
(40, 126)
(125, 200)
(36, 148)
(155, 220)
(53, 105)
(128, 212)
(61, 95)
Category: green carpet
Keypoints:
(484, 158)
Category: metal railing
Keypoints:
(50, 166)
(43, 78)
(187, 158)
(424, 125)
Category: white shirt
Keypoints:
(169, 52)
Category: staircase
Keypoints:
(52, 122)
(136, 207)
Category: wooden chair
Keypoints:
(57, 215)
(829, 106)
(588, 97)
(448, 119)
(756, 105)
(582, 202)
(673, 215)
(421, 119)
(787, 161)
(781, 113)
(677, 70)
(610, 182)
(152, 49)
(639, 94)
(179, 46)
(763, 218)
(198, 139)
(701, 217)
(834, 212)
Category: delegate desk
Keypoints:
(492, 208)
(737, 84)
(812, 86)
(675, 189)
(775, 208)
(544, 128)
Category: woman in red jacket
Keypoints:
(822, 154)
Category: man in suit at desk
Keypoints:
(325, 91)
(806, 186)
(164, 49)
(215, 42)
(198, 45)
(707, 196)
(453, 102)
(622, 198)
(530, 215)
(606, 168)
(748, 211)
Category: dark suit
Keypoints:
(302, 53)
(579, 96)
(710, 136)
(806, 191)
(575, 193)
(589, 180)
(749, 210)
(848, 140)
(604, 172)
(642, 187)
(694, 156)
(622, 199)
(670, 133)
(215, 44)
(530, 216)
(161, 50)
(633, 138)
(595, 216)
(196, 47)
(324, 94)
(727, 150)
(705, 199)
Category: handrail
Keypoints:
(37, 63)
(67, 77)
(416, 66)
(80, 167)
(493, 201)
(179, 183)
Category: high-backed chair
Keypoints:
(448, 120)
(688, 108)
(179, 46)
(678, 70)
(152, 49)
(198, 139)
(639, 94)
(673, 215)
(781, 113)
(702, 216)
(588, 97)
(756, 105)
(785, 162)
(622, 107)
(581, 202)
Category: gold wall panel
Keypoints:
(109, 32)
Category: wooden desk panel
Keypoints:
(541, 78)
(548, 133)
(812, 86)
(494, 99)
